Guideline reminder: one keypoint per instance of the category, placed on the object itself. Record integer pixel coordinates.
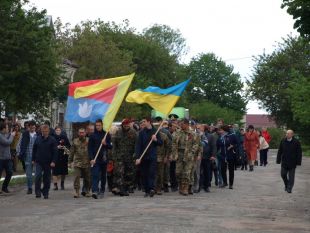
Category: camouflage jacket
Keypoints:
(123, 145)
(185, 145)
(79, 153)
(164, 150)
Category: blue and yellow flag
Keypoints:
(162, 100)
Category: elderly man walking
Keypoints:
(289, 155)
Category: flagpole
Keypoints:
(161, 124)
(104, 138)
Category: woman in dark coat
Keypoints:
(61, 167)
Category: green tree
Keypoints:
(281, 82)
(300, 10)
(96, 55)
(213, 80)
(208, 112)
(108, 49)
(28, 70)
(169, 38)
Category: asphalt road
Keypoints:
(258, 203)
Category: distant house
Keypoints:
(260, 120)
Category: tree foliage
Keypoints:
(213, 80)
(28, 71)
(208, 112)
(300, 10)
(169, 38)
(281, 82)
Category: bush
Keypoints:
(276, 137)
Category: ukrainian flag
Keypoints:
(162, 100)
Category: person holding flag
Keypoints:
(98, 139)
(162, 100)
(149, 161)
(97, 101)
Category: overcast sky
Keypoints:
(234, 30)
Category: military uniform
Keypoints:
(81, 163)
(122, 156)
(162, 156)
(185, 146)
(195, 172)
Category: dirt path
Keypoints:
(258, 203)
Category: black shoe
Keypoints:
(38, 196)
(45, 197)
(289, 190)
(225, 185)
(222, 186)
(174, 189)
(5, 190)
(62, 185)
(152, 193)
(231, 187)
(146, 194)
(55, 186)
(197, 190)
(207, 190)
(124, 193)
(94, 196)
(166, 189)
(29, 191)
(83, 193)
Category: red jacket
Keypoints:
(267, 136)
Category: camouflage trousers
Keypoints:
(123, 174)
(183, 171)
(166, 173)
(160, 175)
(195, 174)
(85, 174)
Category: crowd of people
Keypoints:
(153, 155)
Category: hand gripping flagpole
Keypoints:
(104, 138)
(161, 124)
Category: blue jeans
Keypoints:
(148, 168)
(46, 170)
(219, 169)
(99, 170)
(29, 168)
(6, 165)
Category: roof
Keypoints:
(260, 120)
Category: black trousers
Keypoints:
(173, 178)
(231, 170)
(7, 166)
(148, 168)
(263, 156)
(206, 173)
(46, 170)
(288, 176)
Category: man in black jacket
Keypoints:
(99, 166)
(25, 151)
(44, 156)
(289, 155)
(149, 161)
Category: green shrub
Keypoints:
(276, 137)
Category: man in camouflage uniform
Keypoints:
(185, 146)
(122, 155)
(163, 152)
(195, 172)
(79, 160)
